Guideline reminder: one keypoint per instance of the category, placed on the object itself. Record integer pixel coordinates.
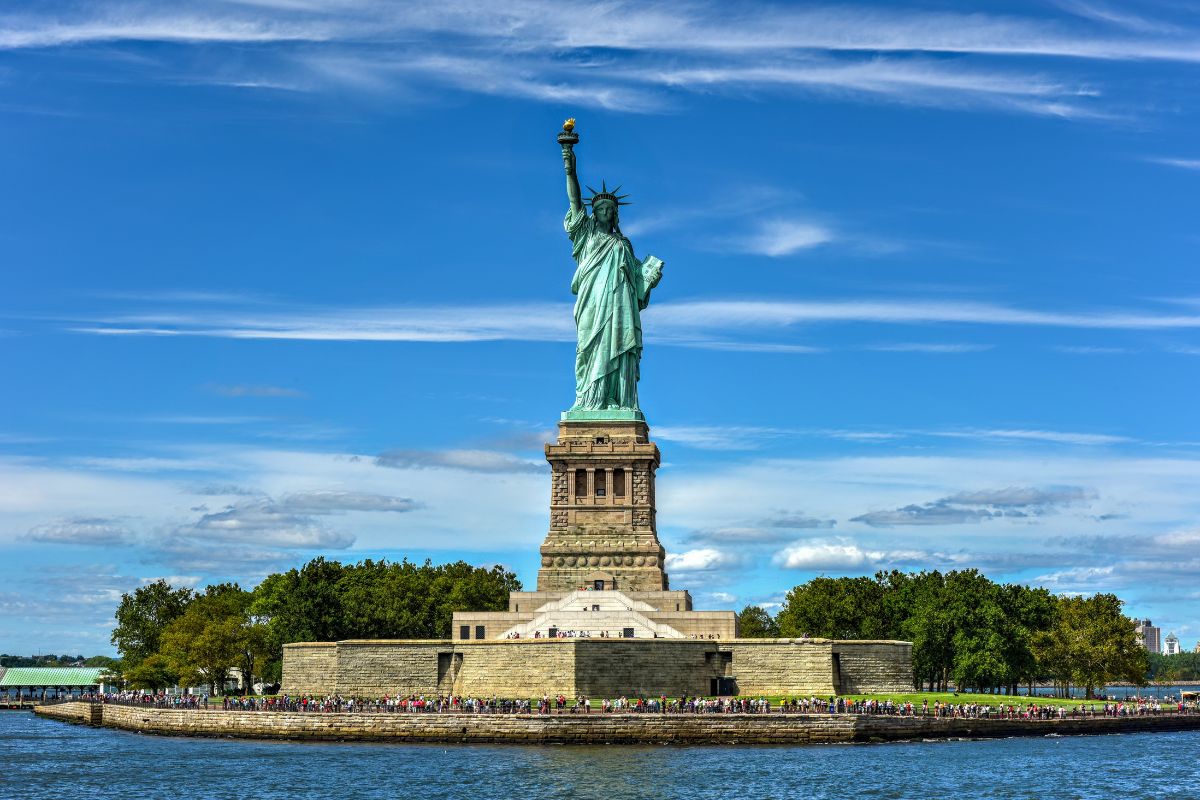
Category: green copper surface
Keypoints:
(605, 414)
(611, 287)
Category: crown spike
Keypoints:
(606, 194)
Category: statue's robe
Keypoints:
(611, 288)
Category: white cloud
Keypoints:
(783, 237)
(1118, 17)
(904, 80)
(1094, 350)
(546, 52)
(539, 26)
(1075, 577)
(134, 26)
(968, 507)
(782, 313)
(928, 514)
(842, 554)
(83, 531)
(468, 460)
(1055, 437)
(1182, 163)
(537, 322)
(263, 522)
(1179, 539)
(700, 560)
(255, 391)
(1023, 496)
(718, 437)
(862, 436)
(929, 347)
(1149, 495)
(331, 502)
(701, 323)
(189, 581)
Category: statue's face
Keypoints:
(606, 215)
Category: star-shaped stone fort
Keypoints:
(604, 621)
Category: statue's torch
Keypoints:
(568, 138)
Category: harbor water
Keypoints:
(44, 758)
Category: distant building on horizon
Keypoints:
(1149, 636)
(1171, 645)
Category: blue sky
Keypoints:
(281, 278)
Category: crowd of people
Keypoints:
(561, 704)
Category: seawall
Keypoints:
(594, 728)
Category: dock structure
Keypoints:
(21, 687)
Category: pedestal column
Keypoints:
(611, 538)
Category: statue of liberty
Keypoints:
(611, 288)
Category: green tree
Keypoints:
(1029, 612)
(834, 608)
(928, 627)
(154, 673)
(302, 605)
(209, 637)
(328, 601)
(143, 616)
(102, 661)
(1092, 643)
(1182, 666)
(980, 630)
(753, 622)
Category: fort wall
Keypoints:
(595, 667)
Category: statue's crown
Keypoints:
(605, 194)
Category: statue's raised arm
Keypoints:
(568, 139)
(611, 289)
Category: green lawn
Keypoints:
(916, 698)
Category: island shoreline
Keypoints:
(597, 728)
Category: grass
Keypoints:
(916, 698)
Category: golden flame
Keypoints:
(569, 125)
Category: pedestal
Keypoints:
(602, 517)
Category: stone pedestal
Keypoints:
(602, 519)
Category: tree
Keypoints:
(302, 605)
(753, 622)
(928, 627)
(979, 629)
(1092, 643)
(1179, 667)
(1029, 611)
(328, 601)
(975, 633)
(154, 673)
(834, 608)
(209, 637)
(144, 615)
(102, 661)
